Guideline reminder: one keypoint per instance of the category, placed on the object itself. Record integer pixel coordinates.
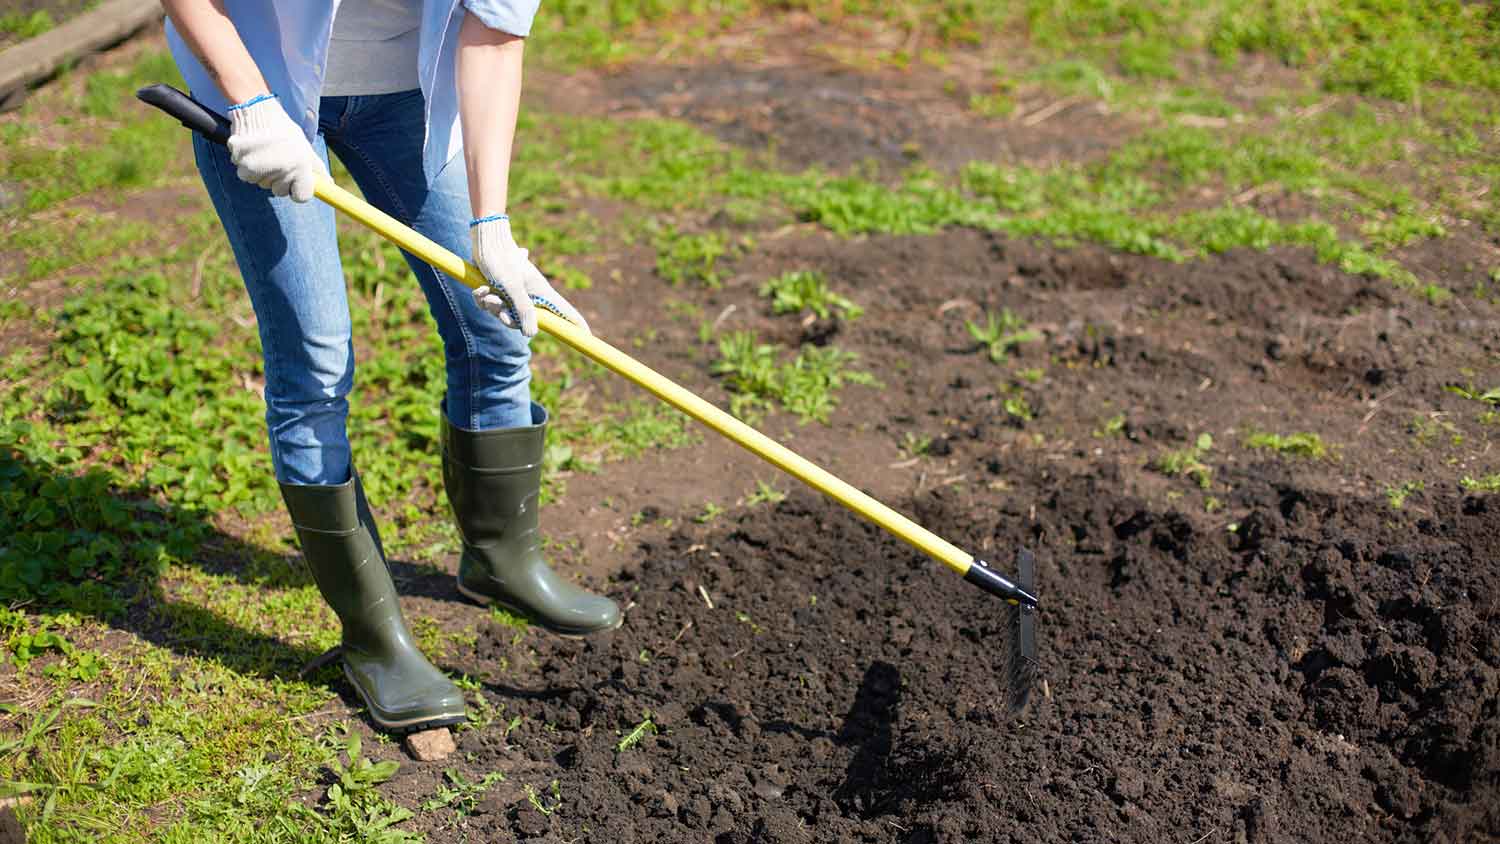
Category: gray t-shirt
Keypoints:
(374, 48)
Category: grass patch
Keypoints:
(24, 26)
(1114, 426)
(176, 765)
(1485, 483)
(807, 385)
(914, 445)
(131, 156)
(643, 426)
(1125, 201)
(687, 257)
(807, 290)
(1299, 444)
(848, 205)
(1188, 462)
(461, 794)
(1490, 397)
(127, 149)
(1001, 334)
(1018, 408)
(1429, 430)
(1396, 495)
(764, 494)
(83, 239)
(1378, 48)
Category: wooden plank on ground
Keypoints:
(38, 58)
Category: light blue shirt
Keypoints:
(289, 41)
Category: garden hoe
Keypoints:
(1019, 594)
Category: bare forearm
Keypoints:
(489, 96)
(211, 35)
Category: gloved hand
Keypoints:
(514, 282)
(269, 149)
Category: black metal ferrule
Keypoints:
(188, 111)
(982, 575)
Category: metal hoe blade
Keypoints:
(1021, 656)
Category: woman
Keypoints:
(399, 90)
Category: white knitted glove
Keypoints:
(514, 282)
(270, 150)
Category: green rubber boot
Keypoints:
(492, 479)
(402, 690)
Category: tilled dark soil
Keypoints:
(835, 117)
(1284, 655)
(1325, 671)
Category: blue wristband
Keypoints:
(252, 101)
(490, 219)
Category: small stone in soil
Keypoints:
(430, 745)
(668, 716)
(765, 790)
(665, 805)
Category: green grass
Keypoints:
(915, 445)
(1382, 48)
(695, 257)
(51, 249)
(640, 426)
(129, 148)
(1434, 430)
(173, 764)
(638, 732)
(554, 235)
(130, 156)
(796, 291)
(1337, 159)
(26, 26)
(1396, 494)
(460, 794)
(1188, 462)
(764, 494)
(806, 386)
(1299, 444)
(1129, 201)
(1484, 483)
(1114, 426)
(1001, 334)
(1018, 408)
(1490, 397)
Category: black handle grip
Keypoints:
(188, 111)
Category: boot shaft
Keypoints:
(493, 480)
(344, 554)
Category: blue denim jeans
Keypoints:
(288, 255)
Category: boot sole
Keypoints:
(407, 725)
(564, 632)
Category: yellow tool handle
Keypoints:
(659, 385)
